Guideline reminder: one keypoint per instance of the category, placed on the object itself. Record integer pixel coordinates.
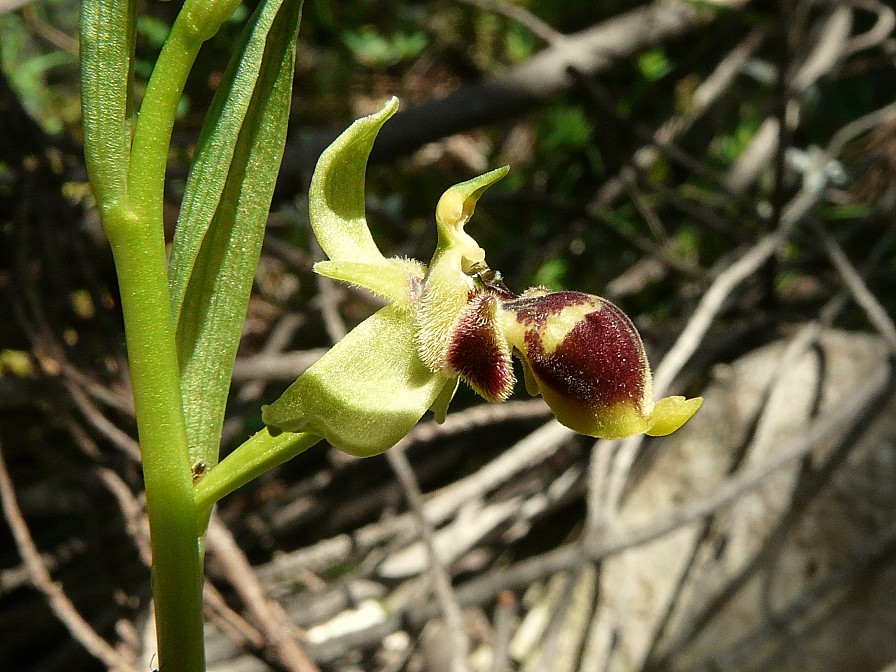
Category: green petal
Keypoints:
(396, 280)
(366, 393)
(336, 195)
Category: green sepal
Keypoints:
(396, 280)
(336, 194)
(366, 393)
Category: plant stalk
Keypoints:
(137, 239)
(260, 453)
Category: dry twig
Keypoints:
(441, 580)
(58, 601)
(274, 624)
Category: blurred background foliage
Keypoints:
(352, 55)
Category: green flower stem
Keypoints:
(176, 570)
(152, 136)
(135, 233)
(197, 21)
(138, 245)
(254, 457)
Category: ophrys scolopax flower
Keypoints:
(455, 320)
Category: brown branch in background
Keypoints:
(238, 630)
(12, 5)
(520, 87)
(278, 631)
(568, 619)
(58, 601)
(459, 645)
(876, 313)
(132, 512)
(277, 341)
(47, 31)
(506, 606)
(275, 367)
(102, 424)
(859, 126)
(522, 16)
(120, 400)
(879, 32)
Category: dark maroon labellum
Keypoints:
(599, 363)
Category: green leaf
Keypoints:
(336, 195)
(654, 65)
(215, 150)
(107, 48)
(366, 393)
(221, 226)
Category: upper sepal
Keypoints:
(336, 194)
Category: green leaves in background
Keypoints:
(372, 49)
(654, 64)
(223, 216)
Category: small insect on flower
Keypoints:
(199, 468)
(488, 278)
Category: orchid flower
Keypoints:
(455, 320)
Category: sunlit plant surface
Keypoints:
(455, 320)
(449, 321)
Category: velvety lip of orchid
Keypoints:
(585, 357)
(455, 320)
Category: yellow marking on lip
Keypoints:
(558, 326)
(554, 329)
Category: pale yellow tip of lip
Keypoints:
(670, 413)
